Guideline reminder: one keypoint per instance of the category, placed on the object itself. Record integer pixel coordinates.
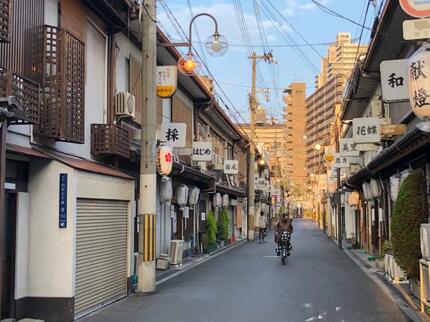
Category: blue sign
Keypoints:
(62, 211)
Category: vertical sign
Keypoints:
(166, 81)
(419, 88)
(62, 211)
(394, 80)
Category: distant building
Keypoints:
(295, 111)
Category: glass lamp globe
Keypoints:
(216, 45)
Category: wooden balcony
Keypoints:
(62, 75)
(110, 139)
(26, 92)
(5, 9)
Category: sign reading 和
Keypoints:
(394, 80)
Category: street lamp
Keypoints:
(216, 45)
(318, 146)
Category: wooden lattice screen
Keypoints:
(109, 139)
(62, 69)
(5, 8)
(26, 91)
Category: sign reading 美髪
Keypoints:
(202, 151)
(174, 134)
(166, 81)
(348, 148)
(231, 167)
(394, 80)
(419, 81)
(340, 161)
(366, 130)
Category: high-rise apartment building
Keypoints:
(294, 120)
(321, 105)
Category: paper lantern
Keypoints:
(225, 200)
(182, 195)
(353, 198)
(375, 187)
(394, 186)
(367, 192)
(419, 85)
(193, 197)
(166, 189)
(217, 200)
(164, 160)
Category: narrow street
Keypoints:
(248, 283)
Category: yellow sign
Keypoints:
(167, 77)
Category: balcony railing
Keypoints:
(4, 20)
(62, 75)
(26, 92)
(109, 139)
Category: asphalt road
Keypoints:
(248, 283)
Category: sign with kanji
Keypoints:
(260, 184)
(231, 167)
(202, 151)
(167, 77)
(348, 148)
(416, 8)
(366, 130)
(419, 81)
(340, 161)
(62, 209)
(174, 134)
(394, 80)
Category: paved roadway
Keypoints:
(248, 283)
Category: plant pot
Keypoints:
(380, 264)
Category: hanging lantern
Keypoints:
(217, 200)
(182, 195)
(394, 186)
(164, 160)
(367, 191)
(166, 189)
(353, 199)
(375, 188)
(419, 85)
(193, 197)
(225, 200)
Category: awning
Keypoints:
(394, 158)
(87, 165)
(233, 191)
(189, 175)
(22, 150)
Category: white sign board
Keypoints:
(231, 167)
(202, 151)
(348, 148)
(174, 134)
(166, 81)
(394, 80)
(416, 29)
(260, 184)
(340, 161)
(366, 130)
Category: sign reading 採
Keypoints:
(167, 77)
(394, 80)
(202, 151)
(62, 210)
(174, 134)
(366, 130)
(419, 81)
(231, 167)
(348, 148)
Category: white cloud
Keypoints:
(293, 7)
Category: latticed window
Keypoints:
(5, 7)
(62, 66)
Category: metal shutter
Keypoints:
(101, 253)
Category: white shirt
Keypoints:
(262, 222)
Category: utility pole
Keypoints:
(251, 173)
(148, 169)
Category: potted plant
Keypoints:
(222, 227)
(409, 212)
(209, 240)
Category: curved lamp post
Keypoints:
(216, 45)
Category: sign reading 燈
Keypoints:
(202, 151)
(231, 167)
(174, 134)
(348, 148)
(166, 81)
(366, 130)
(394, 80)
(419, 81)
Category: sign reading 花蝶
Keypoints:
(419, 77)
(394, 80)
(202, 151)
(340, 161)
(174, 134)
(348, 148)
(366, 130)
(231, 167)
(166, 81)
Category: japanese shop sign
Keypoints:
(231, 167)
(260, 184)
(340, 161)
(416, 8)
(174, 134)
(62, 209)
(348, 148)
(202, 151)
(166, 81)
(394, 80)
(366, 130)
(419, 81)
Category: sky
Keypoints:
(233, 70)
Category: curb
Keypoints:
(398, 297)
(206, 259)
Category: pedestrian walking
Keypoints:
(262, 224)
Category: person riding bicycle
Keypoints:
(262, 224)
(285, 225)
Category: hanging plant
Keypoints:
(410, 211)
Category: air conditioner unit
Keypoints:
(175, 251)
(425, 241)
(125, 105)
